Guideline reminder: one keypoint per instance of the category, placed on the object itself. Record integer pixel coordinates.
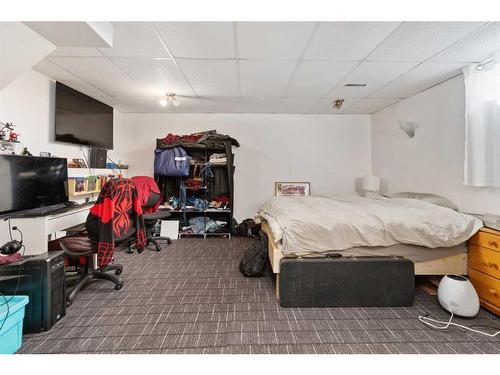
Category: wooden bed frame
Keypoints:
(455, 264)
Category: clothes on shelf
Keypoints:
(209, 187)
(194, 203)
(202, 225)
(209, 139)
(218, 159)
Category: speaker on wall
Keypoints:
(97, 157)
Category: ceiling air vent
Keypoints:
(355, 85)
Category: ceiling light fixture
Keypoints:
(169, 99)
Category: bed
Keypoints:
(433, 237)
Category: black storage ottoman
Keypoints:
(364, 281)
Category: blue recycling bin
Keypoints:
(11, 334)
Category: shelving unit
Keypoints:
(170, 186)
(90, 185)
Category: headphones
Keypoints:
(13, 246)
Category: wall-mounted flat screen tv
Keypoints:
(81, 119)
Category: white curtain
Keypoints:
(482, 125)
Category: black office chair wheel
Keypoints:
(118, 286)
(169, 241)
(118, 272)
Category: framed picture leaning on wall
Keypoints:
(291, 189)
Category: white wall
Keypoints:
(433, 161)
(330, 151)
(28, 102)
(20, 49)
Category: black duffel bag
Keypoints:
(255, 261)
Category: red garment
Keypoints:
(146, 185)
(173, 138)
(6, 259)
(117, 214)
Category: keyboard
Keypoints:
(46, 211)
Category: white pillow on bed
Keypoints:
(431, 198)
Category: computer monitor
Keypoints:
(28, 182)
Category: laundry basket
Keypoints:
(11, 333)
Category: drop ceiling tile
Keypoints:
(53, 71)
(347, 40)
(265, 78)
(325, 106)
(418, 41)
(150, 104)
(211, 40)
(222, 104)
(368, 106)
(475, 48)
(374, 74)
(418, 79)
(157, 76)
(276, 105)
(77, 51)
(315, 78)
(135, 39)
(273, 40)
(211, 77)
(101, 73)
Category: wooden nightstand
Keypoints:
(484, 267)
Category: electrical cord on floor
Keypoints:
(444, 325)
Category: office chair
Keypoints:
(103, 232)
(151, 199)
(150, 220)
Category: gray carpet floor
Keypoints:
(191, 298)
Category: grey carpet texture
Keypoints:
(191, 298)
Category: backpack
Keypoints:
(255, 260)
(248, 228)
(172, 162)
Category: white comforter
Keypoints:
(315, 224)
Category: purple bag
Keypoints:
(172, 162)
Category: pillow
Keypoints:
(431, 198)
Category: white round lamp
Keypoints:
(457, 295)
(371, 185)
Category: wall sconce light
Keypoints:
(409, 127)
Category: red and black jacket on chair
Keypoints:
(115, 217)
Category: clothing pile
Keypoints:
(219, 202)
(194, 184)
(208, 139)
(201, 225)
(174, 138)
(218, 159)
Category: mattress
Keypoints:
(303, 225)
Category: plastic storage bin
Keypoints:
(11, 333)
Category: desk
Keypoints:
(36, 230)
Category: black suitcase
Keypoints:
(365, 281)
